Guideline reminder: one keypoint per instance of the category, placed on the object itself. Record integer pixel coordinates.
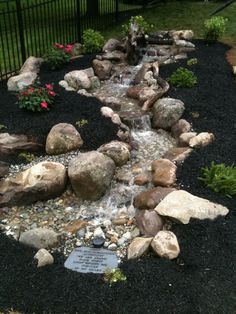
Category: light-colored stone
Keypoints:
(107, 112)
(151, 198)
(116, 119)
(183, 34)
(43, 181)
(185, 138)
(62, 138)
(178, 154)
(183, 206)
(184, 43)
(98, 233)
(202, 139)
(78, 79)
(165, 244)
(102, 69)
(32, 64)
(139, 77)
(138, 247)
(163, 172)
(39, 238)
(64, 84)
(89, 72)
(21, 81)
(43, 258)
(234, 69)
(90, 174)
(166, 112)
(182, 126)
(148, 222)
(111, 45)
(118, 151)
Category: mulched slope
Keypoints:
(69, 107)
(201, 280)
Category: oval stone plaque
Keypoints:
(91, 260)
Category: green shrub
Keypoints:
(215, 27)
(58, 55)
(36, 98)
(183, 78)
(28, 157)
(192, 61)
(140, 21)
(93, 41)
(220, 178)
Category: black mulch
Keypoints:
(201, 280)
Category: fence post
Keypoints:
(117, 10)
(78, 20)
(21, 29)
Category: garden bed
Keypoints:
(202, 279)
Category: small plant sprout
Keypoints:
(2, 127)
(114, 275)
(182, 77)
(81, 123)
(28, 157)
(220, 178)
(192, 61)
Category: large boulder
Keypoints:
(182, 126)
(111, 45)
(21, 81)
(148, 222)
(90, 174)
(166, 112)
(40, 182)
(62, 138)
(102, 68)
(78, 79)
(39, 238)
(118, 151)
(165, 244)
(32, 64)
(183, 206)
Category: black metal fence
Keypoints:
(29, 27)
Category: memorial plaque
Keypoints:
(91, 260)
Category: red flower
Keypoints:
(68, 48)
(44, 105)
(31, 90)
(49, 86)
(59, 46)
(51, 93)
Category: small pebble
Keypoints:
(112, 247)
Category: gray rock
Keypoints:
(118, 151)
(102, 69)
(39, 238)
(182, 126)
(78, 79)
(111, 45)
(21, 81)
(32, 64)
(43, 258)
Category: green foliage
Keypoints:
(220, 178)
(57, 56)
(2, 126)
(93, 41)
(140, 21)
(182, 77)
(192, 61)
(27, 156)
(215, 27)
(114, 275)
(81, 123)
(36, 98)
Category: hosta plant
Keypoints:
(215, 27)
(58, 55)
(93, 41)
(36, 98)
(220, 178)
(182, 77)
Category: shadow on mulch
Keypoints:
(202, 279)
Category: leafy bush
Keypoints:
(36, 98)
(215, 27)
(192, 61)
(140, 21)
(93, 41)
(220, 178)
(183, 78)
(58, 55)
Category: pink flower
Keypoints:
(31, 90)
(49, 86)
(68, 49)
(59, 46)
(44, 105)
(51, 93)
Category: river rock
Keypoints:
(78, 79)
(4, 169)
(39, 238)
(166, 112)
(90, 174)
(41, 182)
(165, 244)
(182, 34)
(151, 198)
(111, 45)
(182, 126)
(107, 112)
(178, 154)
(118, 151)
(163, 172)
(62, 138)
(148, 222)
(139, 77)
(138, 247)
(21, 81)
(142, 179)
(202, 139)
(43, 258)
(32, 64)
(102, 69)
(185, 138)
(183, 206)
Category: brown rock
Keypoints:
(134, 92)
(178, 154)
(141, 73)
(151, 198)
(102, 68)
(76, 225)
(120, 221)
(148, 222)
(182, 126)
(138, 247)
(185, 138)
(164, 172)
(142, 179)
(4, 169)
(118, 151)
